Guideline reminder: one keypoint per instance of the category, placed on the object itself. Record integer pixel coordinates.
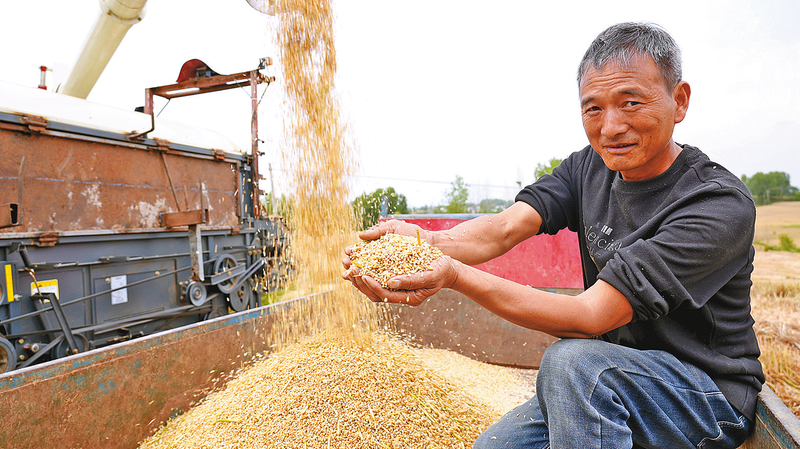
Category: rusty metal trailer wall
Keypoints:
(67, 178)
(449, 320)
(115, 397)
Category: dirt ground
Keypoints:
(776, 266)
(776, 219)
(776, 301)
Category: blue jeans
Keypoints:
(593, 394)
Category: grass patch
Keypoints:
(786, 244)
(278, 296)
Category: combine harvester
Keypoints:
(133, 253)
(115, 225)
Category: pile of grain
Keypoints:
(498, 387)
(393, 255)
(331, 391)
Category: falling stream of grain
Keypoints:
(319, 160)
(334, 380)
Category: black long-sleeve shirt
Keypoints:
(678, 246)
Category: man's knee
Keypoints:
(569, 353)
(573, 359)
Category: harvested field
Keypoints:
(776, 300)
(776, 309)
(776, 219)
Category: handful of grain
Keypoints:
(393, 255)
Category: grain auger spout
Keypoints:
(115, 19)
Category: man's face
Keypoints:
(629, 115)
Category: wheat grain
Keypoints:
(393, 255)
(332, 391)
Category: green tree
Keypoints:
(769, 187)
(542, 169)
(281, 206)
(367, 206)
(491, 206)
(457, 197)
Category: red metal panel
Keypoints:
(434, 224)
(551, 261)
(548, 261)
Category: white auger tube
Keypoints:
(116, 17)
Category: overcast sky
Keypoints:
(436, 89)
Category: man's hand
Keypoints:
(418, 288)
(393, 227)
(411, 289)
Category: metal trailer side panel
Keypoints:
(117, 396)
(449, 320)
(776, 426)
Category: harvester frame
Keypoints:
(115, 230)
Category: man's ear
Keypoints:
(681, 95)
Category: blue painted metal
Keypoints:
(776, 427)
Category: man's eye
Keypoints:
(591, 109)
(632, 103)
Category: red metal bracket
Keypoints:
(185, 218)
(47, 239)
(35, 123)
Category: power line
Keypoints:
(425, 181)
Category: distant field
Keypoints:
(772, 221)
(776, 300)
(777, 219)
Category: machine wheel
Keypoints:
(240, 298)
(219, 307)
(196, 293)
(62, 347)
(224, 263)
(215, 313)
(8, 356)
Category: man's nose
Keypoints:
(614, 123)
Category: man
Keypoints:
(658, 351)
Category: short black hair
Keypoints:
(623, 42)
